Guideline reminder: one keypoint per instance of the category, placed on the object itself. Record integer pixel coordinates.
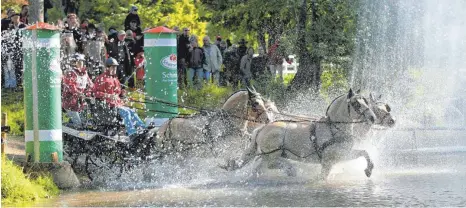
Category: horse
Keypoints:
(325, 141)
(243, 109)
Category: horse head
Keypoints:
(260, 110)
(382, 112)
(352, 107)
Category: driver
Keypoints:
(76, 86)
(107, 89)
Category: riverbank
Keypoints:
(19, 188)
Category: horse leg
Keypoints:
(258, 169)
(283, 164)
(355, 154)
(325, 171)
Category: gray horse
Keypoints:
(242, 109)
(326, 141)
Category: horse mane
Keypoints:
(326, 112)
(235, 94)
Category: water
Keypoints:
(424, 177)
(412, 51)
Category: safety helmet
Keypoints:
(77, 57)
(111, 62)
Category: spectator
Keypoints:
(85, 22)
(76, 86)
(70, 6)
(231, 74)
(132, 16)
(73, 28)
(47, 5)
(131, 45)
(140, 62)
(5, 46)
(259, 65)
(137, 35)
(218, 40)
(119, 51)
(108, 92)
(6, 21)
(245, 67)
(183, 49)
(242, 48)
(16, 46)
(24, 14)
(223, 47)
(197, 60)
(276, 56)
(213, 61)
(95, 50)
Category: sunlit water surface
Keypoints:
(441, 183)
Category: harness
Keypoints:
(312, 133)
(222, 115)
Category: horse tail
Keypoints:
(248, 154)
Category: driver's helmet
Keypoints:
(111, 62)
(76, 57)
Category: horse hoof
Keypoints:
(368, 170)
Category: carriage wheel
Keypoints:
(98, 165)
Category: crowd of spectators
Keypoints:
(199, 61)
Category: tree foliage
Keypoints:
(325, 34)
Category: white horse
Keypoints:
(242, 109)
(326, 141)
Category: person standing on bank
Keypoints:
(213, 61)
(196, 61)
(245, 67)
(183, 50)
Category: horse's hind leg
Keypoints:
(283, 164)
(355, 154)
(325, 171)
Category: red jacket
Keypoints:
(108, 88)
(75, 86)
(275, 56)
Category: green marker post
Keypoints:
(161, 73)
(42, 93)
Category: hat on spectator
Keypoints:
(112, 30)
(242, 41)
(134, 8)
(91, 26)
(121, 32)
(10, 10)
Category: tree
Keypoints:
(318, 31)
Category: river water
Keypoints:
(420, 178)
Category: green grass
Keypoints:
(13, 105)
(18, 188)
(208, 97)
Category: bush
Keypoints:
(13, 105)
(19, 188)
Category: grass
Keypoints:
(18, 188)
(13, 105)
(208, 97)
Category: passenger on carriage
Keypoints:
(107, 90)
(77, 85)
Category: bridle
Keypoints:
(356, 106)
(254, 106)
